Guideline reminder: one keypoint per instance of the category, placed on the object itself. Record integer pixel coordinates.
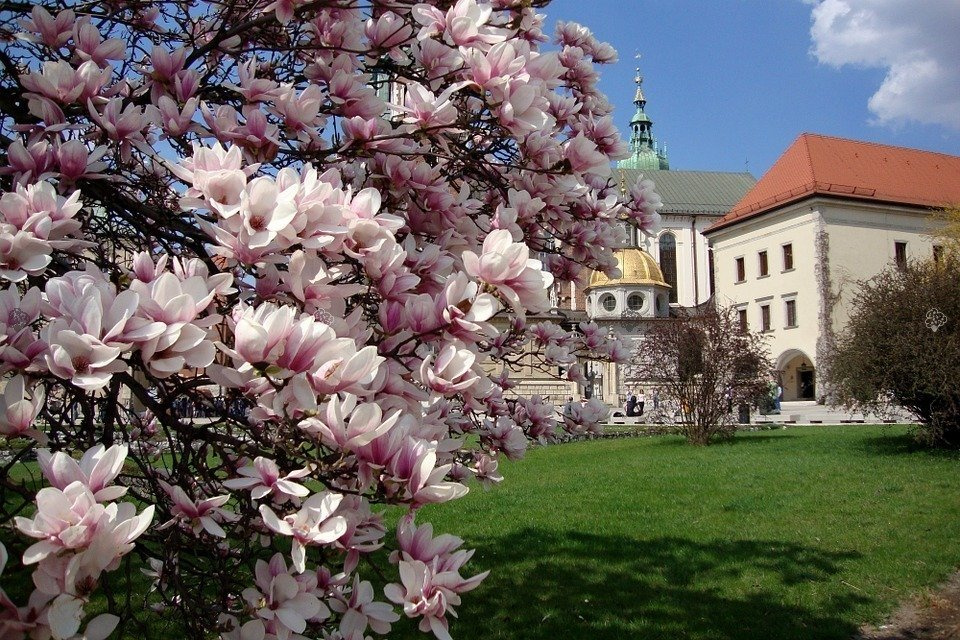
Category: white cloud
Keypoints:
(916, 41)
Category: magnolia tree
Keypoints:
(264, 264)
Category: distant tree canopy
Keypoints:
(947, 233)
(706, 363)
(902, 347)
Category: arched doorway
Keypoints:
(798, 375)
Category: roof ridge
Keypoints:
(870, 143)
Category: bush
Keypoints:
(901, 348)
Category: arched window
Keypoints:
(668, 262)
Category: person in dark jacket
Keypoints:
(631, 404)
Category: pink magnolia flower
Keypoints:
(282, 602)
(643, 204)
(451, 372)
(54, 32)
(429, 595)
(388, 30)
(80, 358)
(365, 423)
(60, 82)
(584, 157)
(22, 254)
(506, 265)
(90, 45)
(313, 524)
(96, 470)
(504, 435)
(176, 120)
(359, 611)
(66, 520)
(263, 479)
(77, 161)
(344, 367)
(415, 465)
(199, 515)
(19, 409)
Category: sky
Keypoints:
(730, 84)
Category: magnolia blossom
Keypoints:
(451, 372)
(308, 285)
(19, 409)
(312, 524)
(96, 470)
(263, 478)
(197, 515)
(506, 265)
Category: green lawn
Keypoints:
(800, 533)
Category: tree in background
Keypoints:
(901, 347)
(705, 362)
(251, 252)
(947, 229)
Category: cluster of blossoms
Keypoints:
(282, 254)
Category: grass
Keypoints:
(801, 533)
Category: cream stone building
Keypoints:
(830, 212)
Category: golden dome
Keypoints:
(636, 267)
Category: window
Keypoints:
(937, 253)
(764, 317)
(668, 262)
(763, 264)
(741, 270)
(790, 307)
(742, 317)
(635, 302)
(900, 254)
(608, 302)
(711, 270)
(787, 257)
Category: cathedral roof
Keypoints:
(823, 165)
(694, 192)
(637, 267)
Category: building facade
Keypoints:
(829, 214)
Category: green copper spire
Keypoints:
(644, 152)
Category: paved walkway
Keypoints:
(797, 412)
(809, 412)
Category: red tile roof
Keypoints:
(823, 165)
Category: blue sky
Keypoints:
(731, 83)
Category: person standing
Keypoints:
(779, 396)
(631, 403)
(656, 399)
(640, 402)
(568, 408)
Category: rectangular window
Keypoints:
(787, 257)
(764, 317)
(900, 254)
(791, 309)
(763, 263)
(937, 253)
(742, 317)
(741, 270)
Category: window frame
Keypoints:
(602, 300)
(743, 319)
(766, 318)
(763, 264)
(787, 304)
(740, 266)
(786, 251)
(898, 259)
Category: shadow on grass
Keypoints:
(901, 444)
(579, 585)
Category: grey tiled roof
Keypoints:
(693, 192)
